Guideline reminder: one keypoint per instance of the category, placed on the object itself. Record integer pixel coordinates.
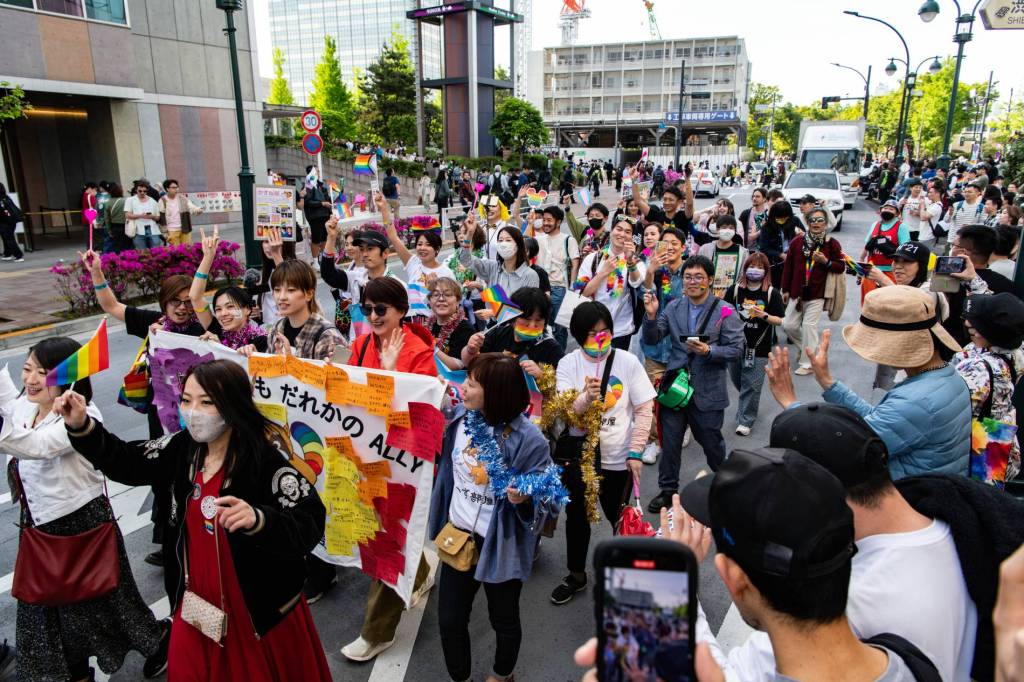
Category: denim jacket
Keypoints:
(508, 547)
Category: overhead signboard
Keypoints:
(1003, 14)
(437, 11)
(701, 116)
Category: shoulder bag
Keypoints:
(58, 570)
(675, 390)
(199, 613)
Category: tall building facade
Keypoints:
(123, 89)
(591, 94)
(360, 28)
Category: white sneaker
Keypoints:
(651, 453)
(7, 258)
(361, 650)
(19, 260)
(743, 430)
(422, 592)
(686, 438)
(804, 370)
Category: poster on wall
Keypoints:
(366, 440)
(274, 207)
(217, 202)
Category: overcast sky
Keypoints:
(791, 43)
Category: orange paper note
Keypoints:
(306, 372)
(371, 488)
(400, 419)
(267, 366)
(381, 469)
(337, 390)
(381, 389)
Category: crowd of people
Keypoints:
(879, 526)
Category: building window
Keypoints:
(70, 7)
(27, 4)
(106, 10)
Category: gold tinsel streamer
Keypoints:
(559, 406)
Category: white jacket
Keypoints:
(56, 479)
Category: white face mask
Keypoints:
(202, 426)
(507, 250)
(726, 235)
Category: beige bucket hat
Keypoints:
(896, 327)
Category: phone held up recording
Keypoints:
(646, 610)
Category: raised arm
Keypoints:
(198, 291)
(400, 248)
(104, 296)
(688, 196)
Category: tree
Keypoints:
(1006, 125)
(434, 121)
(12, 102)
(391, 92)
(280, 93)
(517, 125)
(501, 74)
(330, 97)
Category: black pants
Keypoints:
(577, 527)
(456, 591)
(11, 247)
(121, 241)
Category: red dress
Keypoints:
(291, 650)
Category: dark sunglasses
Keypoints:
(380, 309)
(816, 221)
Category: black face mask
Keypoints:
(596, 223)
(887, 216)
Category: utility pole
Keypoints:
(984, 116)
(867, 92)
(679, 123)
(771, 132)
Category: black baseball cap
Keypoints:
(835, 437)
(370, 238)
(775, 512)
(913, 251)
(808, 199)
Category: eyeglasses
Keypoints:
(694, 278)
(380, 309)
(180, 303)
(816, 221)
(438, 295)
(625, 219)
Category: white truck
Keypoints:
(835, 145)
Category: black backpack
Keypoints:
(921, 667)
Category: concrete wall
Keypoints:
(293, 162)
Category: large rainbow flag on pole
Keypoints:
(91, 358)
(500, 304)
(365, 164)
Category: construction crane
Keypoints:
(569, 19)
(652, 21)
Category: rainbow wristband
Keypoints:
(101, 285)
(202, 275)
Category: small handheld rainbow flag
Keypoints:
(91, 358)
(344, 210)
(499, 303)
(366, 164)
(585, 197)
(852, 265)
(536, 397)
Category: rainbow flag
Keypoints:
(453, 376)
(360, 325)
(536, 397)
(344, 210)
(91, 358)
(852, 265)
(366, 164)
(500, 305)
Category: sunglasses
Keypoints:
(816, 221)
(179, 303)
(380, 309)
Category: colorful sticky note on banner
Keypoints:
(381, 469)
(381, 390)
(336, 386)
(306, 372)
(400, 500)
(399, 419)
(371, 488)
(267, 366)
(275, 412)
(423, 438)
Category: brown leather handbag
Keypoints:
(57, 570)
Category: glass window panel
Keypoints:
(106, 10)
(27, 4)
(70, 7)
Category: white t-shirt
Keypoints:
(555, 253)
(416, 271)
(143, 226)
(628, 387)
(912, 211)
(925, 227)
(908, 584)
(619, 306)
(472, 504)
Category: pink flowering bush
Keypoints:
(136, 275)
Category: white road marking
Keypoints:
(393, 664)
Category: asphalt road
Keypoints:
(550, 633)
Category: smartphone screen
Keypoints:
(947, 265)
(646, 610)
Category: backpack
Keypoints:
(9, 211)
(389, 185)
(921, 667)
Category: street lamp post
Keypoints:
(964, 23)
(908, 87)
(246, 178)
(899, 133)
(867, 84)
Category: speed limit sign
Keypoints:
(310, 121)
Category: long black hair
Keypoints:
(51, 352)
(227, 385)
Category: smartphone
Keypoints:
(703, 338)
(948, 265)
(944, 284)
(645, 604)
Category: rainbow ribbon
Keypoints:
(91, 358)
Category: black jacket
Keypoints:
(987, 526)
(270, 560)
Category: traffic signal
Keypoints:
(826, 100)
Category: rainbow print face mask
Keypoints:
(525, 333)
(599, 346)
